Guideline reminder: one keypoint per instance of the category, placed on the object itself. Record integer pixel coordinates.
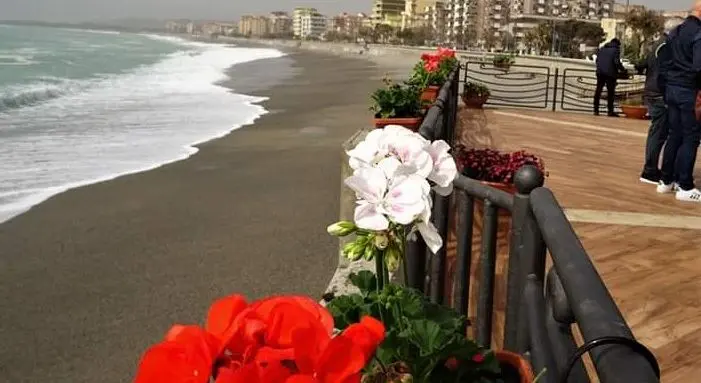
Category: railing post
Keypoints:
(557, 75)
(526, 255)
(415, 263)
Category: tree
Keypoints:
(539, 38)
(573, 33)
(384, 32)
(647, 25)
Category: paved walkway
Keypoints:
(645, 245)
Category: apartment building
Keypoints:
(435, 18)
(388, 12)
(280, 23)
(257, 26)
(480, 22)
(347, 24)
(308, 23)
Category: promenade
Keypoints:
(644, 245)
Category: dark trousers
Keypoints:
(610, 83)
(679, 154)
(656, 137)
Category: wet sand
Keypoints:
(91, 277)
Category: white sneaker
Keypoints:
(693, 195)
(663, 188)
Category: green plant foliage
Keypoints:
(421, 335)
(476, 89)
(397, 101)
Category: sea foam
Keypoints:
(62, 134)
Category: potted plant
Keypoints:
(634, 108)
(433, 71)
(494, 168)
(475, 95)
(503, 61)
(394, 172)
(424, 342)
(397, 104)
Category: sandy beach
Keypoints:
(93, 276)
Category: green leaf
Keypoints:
(365, 281)
(346, 310)
(427, 336)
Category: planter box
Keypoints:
(514, 368)
(637, 112)
(474, 101)
(412, 123)
(430, 94)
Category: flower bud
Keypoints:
(341, 228)
(381, 241)
(392, 258)
(353, 251)
(370, 253)
(406, 378)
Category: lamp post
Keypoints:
(625, 27)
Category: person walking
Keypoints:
(681, 79)
(608, 68)
(657, 109)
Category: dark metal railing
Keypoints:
(525, 86)
(578, 87)
(540, 87)
(541, 308)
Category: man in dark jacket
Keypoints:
(682, 84)
(659, 128)
(608, 66)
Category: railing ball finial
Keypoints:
(527, 178)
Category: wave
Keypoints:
(16, 97)
(89, 132)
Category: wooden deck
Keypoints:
(647, 247)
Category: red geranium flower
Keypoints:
(278, 339)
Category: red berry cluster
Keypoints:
(493, 166)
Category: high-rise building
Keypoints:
(280, 23)
(254, 26)
(308, 23)
(388, 12)
(435, 18)
(348, 24)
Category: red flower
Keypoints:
(273, 340)
(478, 358)
(446, 53)
(185, 356)
(431, 65)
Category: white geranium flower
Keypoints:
(393, 141)
(430, 235)
(400, 199)
(444, 170)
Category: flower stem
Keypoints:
(380, 270)
(403, 257)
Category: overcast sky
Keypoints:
(94, 10)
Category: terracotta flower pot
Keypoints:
(412, 123)
(502, 65)
(515, 368)
(430, 94)
(474, 101)
(637, 112)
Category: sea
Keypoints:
(80, 106)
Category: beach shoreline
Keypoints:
(94, 275)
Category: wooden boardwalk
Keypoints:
(647, 247)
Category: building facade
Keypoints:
(388, 12)
(348, 24)
(257, 26)
(280, 23)
(308, 23)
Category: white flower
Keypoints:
(400, 199)
(430, 235)
(444, 170)
(393, 141)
